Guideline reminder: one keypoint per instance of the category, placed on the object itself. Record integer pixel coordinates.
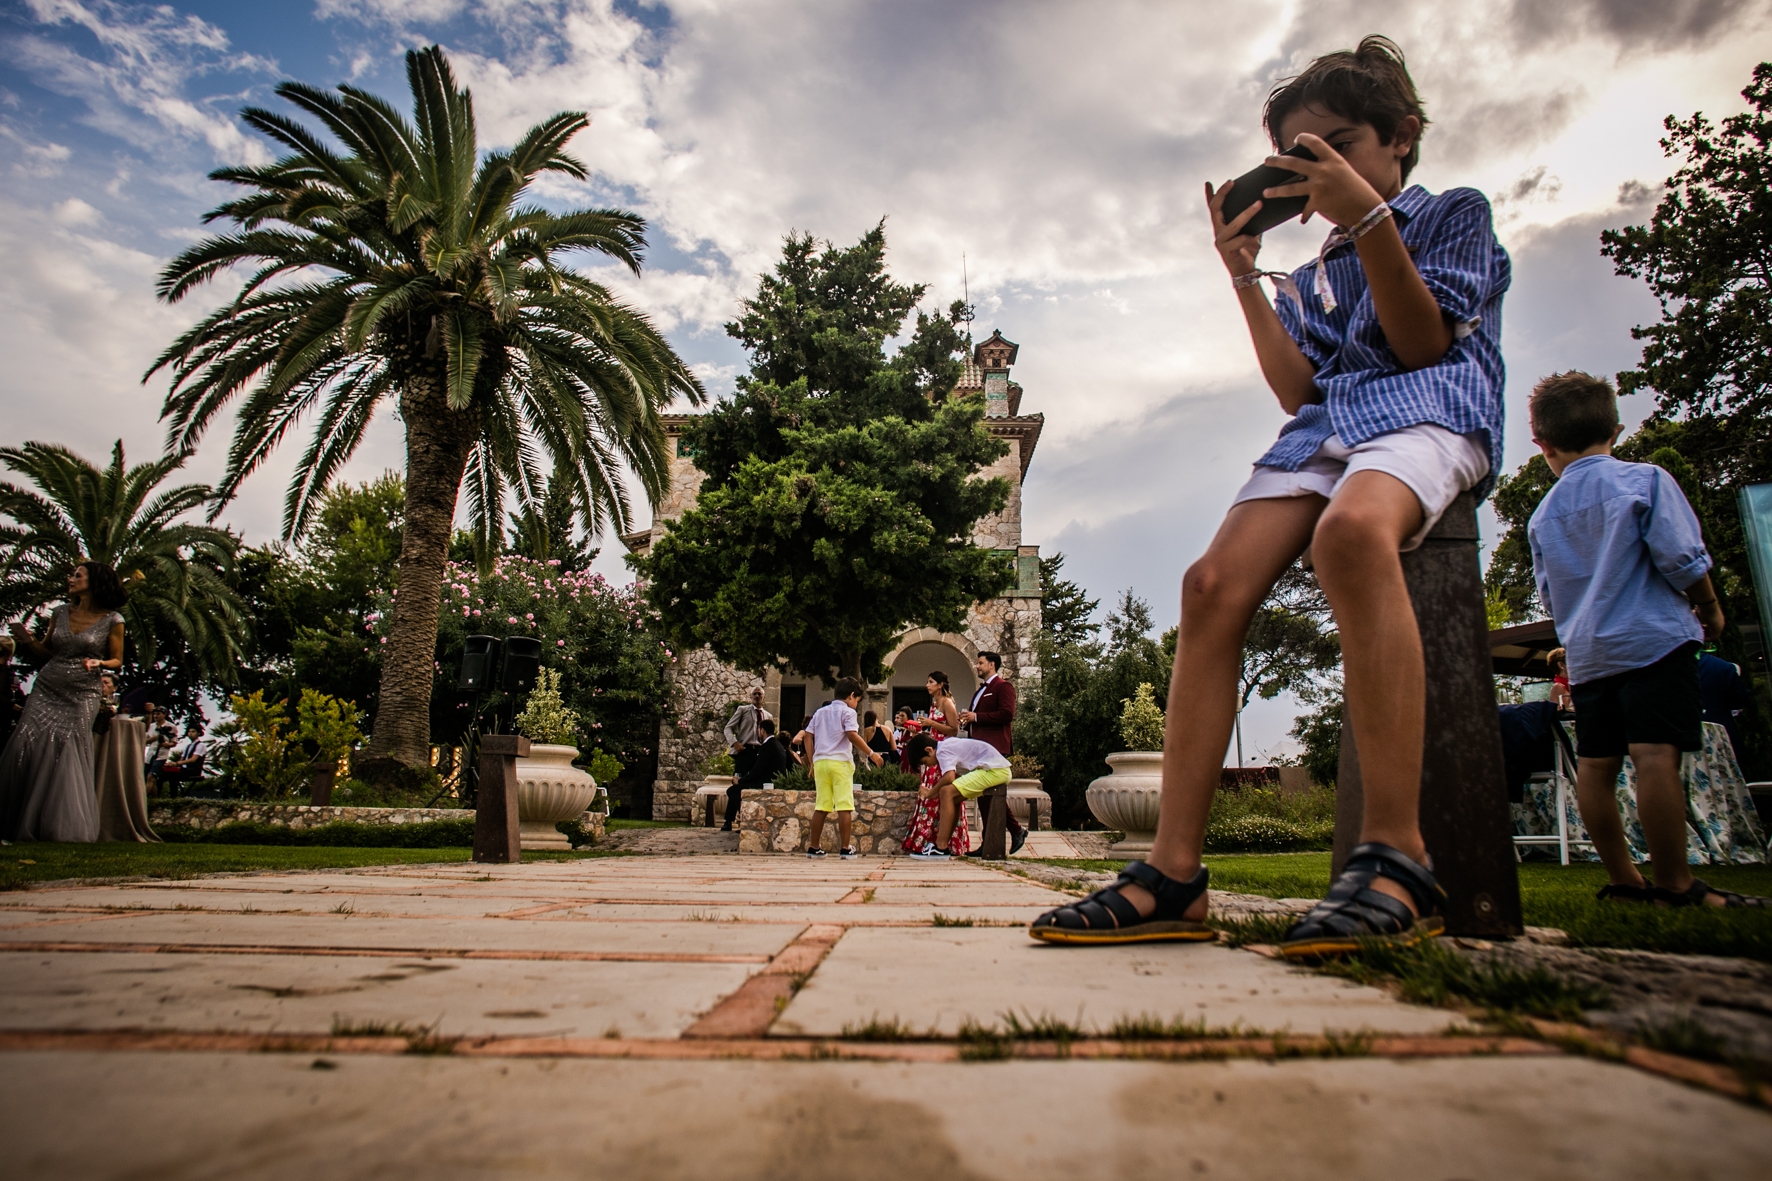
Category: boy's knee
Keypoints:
(1206, 584)
(1351, 538)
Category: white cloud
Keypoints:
(151, 54)
(75, 212)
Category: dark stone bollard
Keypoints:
(993, 817)
(497, 835)
(321, 775)
(1464, 814)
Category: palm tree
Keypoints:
(408, 268)
(176, 571)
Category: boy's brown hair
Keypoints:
(1572, 411)
(848, 687)
(1369, 84)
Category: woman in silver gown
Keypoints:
(46, 787)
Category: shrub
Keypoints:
(1141, 719)
(265, 762)
(430, 834)
(886, 778)
(1255, 820)
(257, 751)
(719, 763)
(329, 724)
(545, 717)
(604, 767)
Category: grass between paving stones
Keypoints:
(23, 864)
(1560, 896)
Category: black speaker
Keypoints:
(476, 664)
(522, 662)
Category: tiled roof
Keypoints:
(971, 377)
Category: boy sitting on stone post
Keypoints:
(830, 734)
(1385, 352)
(1620, 564)
(969, 768)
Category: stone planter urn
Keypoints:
(550, 789)
(1127, 798)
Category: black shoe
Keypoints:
(1106, 916)
(1353, 913)
(725, 828)
(1016, 840)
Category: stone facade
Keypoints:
(1008, 624)
(704, 692)
(775, 821)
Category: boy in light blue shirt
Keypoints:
(1620, 564)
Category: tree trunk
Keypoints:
(437, 445)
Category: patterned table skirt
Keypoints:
(1722, 826)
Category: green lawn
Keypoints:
(1551, 896)
(20, 865)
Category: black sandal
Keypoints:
(1354, 913)
(1107, 917)
(1618, 893)
(1694, 894)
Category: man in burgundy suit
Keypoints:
(991, 720)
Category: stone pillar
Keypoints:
(993, 809)
(497, 834)
(1464, 813)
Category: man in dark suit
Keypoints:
(991, 720)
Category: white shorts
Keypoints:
(1435, 463)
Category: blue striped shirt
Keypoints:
(1366, 393)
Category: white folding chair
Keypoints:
(1563, 775)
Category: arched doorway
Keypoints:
(912, 665)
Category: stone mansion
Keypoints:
(705, 688)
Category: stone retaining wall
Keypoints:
(212, 814)
(216, 813)
(775, 821)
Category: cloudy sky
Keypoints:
(1058, 146)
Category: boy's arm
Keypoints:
(1675, 541)
(868, 751)
(1289, 372)
(1703, 597)
(1415, 326)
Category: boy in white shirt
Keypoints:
(830, 734)
(969, 769)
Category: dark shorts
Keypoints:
(1658, 703)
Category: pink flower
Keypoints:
(530, 617)
(559, 643)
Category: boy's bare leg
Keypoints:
(1661, 806)
(1219, 595)
(1596, 794)
(1356, 553)
(815, 833)
(843, 821)
(950, 815)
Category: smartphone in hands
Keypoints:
(1246, 190)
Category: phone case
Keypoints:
(1247, 189)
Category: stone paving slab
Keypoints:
(349, 931)
(938, 978)
(318, 994)
(275, 1116)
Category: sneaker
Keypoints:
(931, 853)
(815, 853)
(848, 853)
(1017, 840)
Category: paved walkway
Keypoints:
(668, 1016)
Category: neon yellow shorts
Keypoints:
(835, 779)
(975, 783)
